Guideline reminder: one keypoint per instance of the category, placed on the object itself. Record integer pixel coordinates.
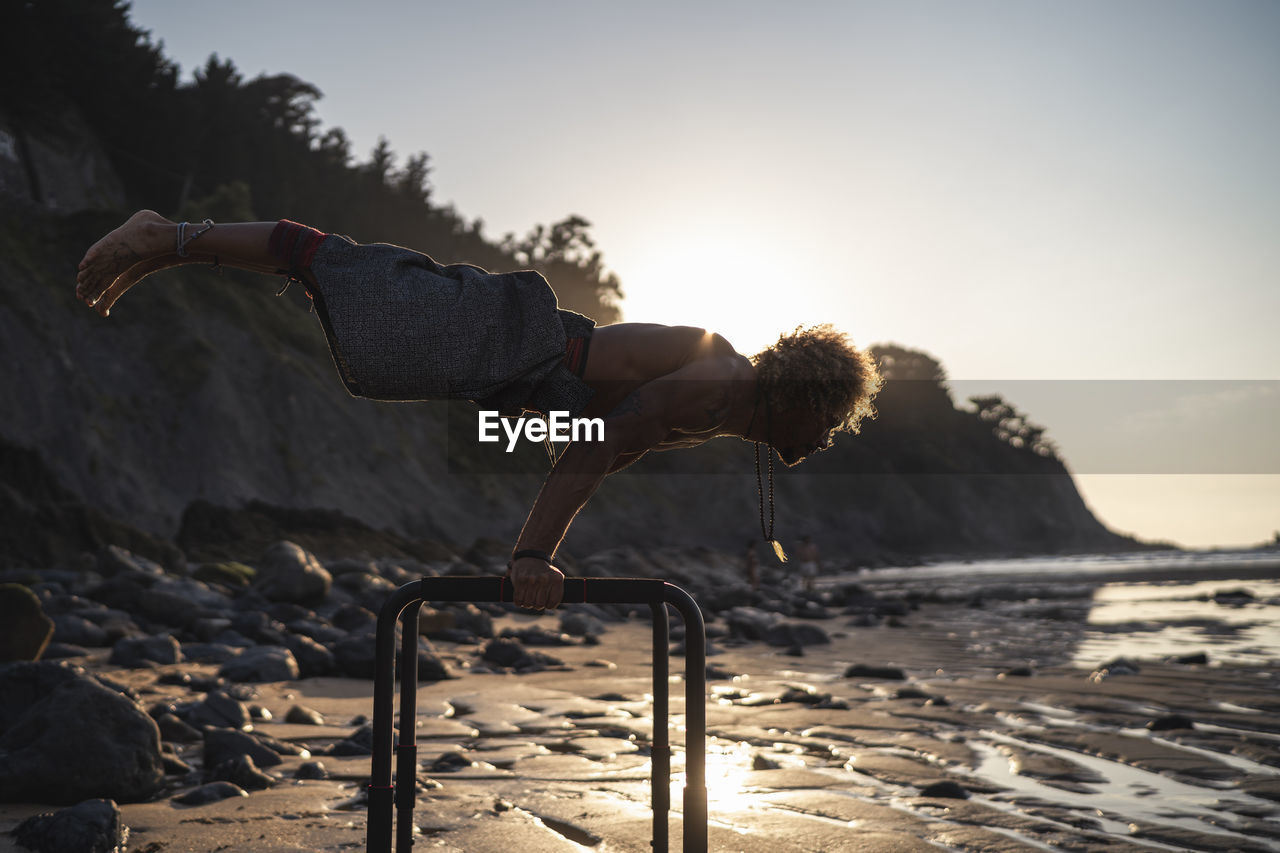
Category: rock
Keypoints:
(369, 589)
(311, 770)
(356, 657)
(432, 621)
(759, 762)
(508, 652)
(138, 651)
(219, 710)
(242, 771)
(450, 762)
(211, 793)
(1169, 722)
(355, 619)
(535, 636)
(114, 560)
(228, 744)
(1017, 672)
(208, 652)
(468, 617)
(348, 565)
(77, 630)
(261, 663)
(312, 657)
(303, 716)
(804, 696)
(946, 790)
(750, 623)
(92, 826)
(228, 573)
(1119, 666)
(892, 607)
(795, 634)
(431, 667)
(259, 627)
(504, 652)
(1191, 659)
(173, 765)
(166, 606)
(27, 630)
(315, 629)
(58, 651)
(1233, 597)
(113, 747)
(23, 684)
(174, 729)
(286, 572)
(359, 742)
(889, 673)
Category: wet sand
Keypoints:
(799, 757)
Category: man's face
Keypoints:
(800, 434)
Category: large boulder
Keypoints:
(27, 629)
(80, 741)
(286, 572)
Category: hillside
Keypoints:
(209, 391)
(202, 387)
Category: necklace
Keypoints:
(768, 421)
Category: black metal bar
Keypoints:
(657, 593)
(384, 682)
(695, 717)
(661, 749)
(407, 748)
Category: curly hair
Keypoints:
(819, 369)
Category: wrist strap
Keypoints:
(530, 552)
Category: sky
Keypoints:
(1073, 204)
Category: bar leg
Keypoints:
(407, 748)
(695, 702)
(661, 757)
(384, 683)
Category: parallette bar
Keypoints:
(576, 590)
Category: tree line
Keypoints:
(253, 149)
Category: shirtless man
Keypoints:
(657, 387)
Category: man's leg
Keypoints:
(148, 242)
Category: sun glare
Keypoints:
(721, 282)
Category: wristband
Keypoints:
(530, 552)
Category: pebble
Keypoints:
(304, 716)
(860, 670)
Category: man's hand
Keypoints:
(538, 585)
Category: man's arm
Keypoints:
(694, 399)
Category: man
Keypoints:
(808, 561)
(402, 327)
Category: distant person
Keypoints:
(402, 327)
(809, 559)
(751, 565)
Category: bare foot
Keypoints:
(103, 277)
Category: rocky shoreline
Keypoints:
(226, 707)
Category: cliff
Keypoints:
(209, 388)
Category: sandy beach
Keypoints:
(1038, 752)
